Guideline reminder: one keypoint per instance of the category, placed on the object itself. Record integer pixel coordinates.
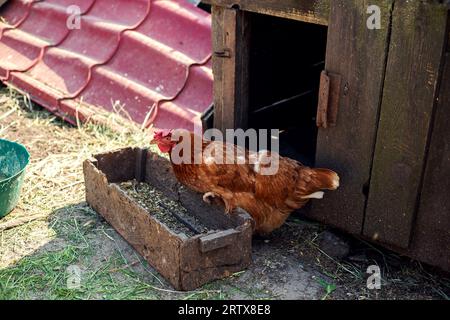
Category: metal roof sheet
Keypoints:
(153, 57)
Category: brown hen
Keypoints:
(269, 199)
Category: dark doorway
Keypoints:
(286, 58)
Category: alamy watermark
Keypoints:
(374, 280)
(374, 20)
(74, 19)
(73, 277)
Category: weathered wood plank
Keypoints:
(132, 222)
(186, 261)
(218, 40)
(415, 55)
(359, 56)
(431, 240)
(230, 67)
(312, 11)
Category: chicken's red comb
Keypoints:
(162, 133)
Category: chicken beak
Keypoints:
(154, 141)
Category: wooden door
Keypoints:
(359, 55)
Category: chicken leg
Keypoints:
(208, 195)
(207, 198)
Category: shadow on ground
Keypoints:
(85, 245)
(87, 259)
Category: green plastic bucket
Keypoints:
(13, 160)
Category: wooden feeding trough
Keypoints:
(382, 120)
(190, 247)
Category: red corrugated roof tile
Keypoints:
(150, 56)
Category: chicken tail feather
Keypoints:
(325, 179)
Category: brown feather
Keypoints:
(268, 198)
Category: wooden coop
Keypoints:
(372, 104)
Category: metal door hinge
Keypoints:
(225, 53)
(329, 93)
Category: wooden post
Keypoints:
(230, 67)
(358, 54)
(410, 90)
(431, 240)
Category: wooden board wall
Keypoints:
(410, 90)
(230, 67)
(431, 239)
(359, 56)
(391, 143)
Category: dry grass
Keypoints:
(54, 176)
(34, 256)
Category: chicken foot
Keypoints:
(208, 195)
(207, 198)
